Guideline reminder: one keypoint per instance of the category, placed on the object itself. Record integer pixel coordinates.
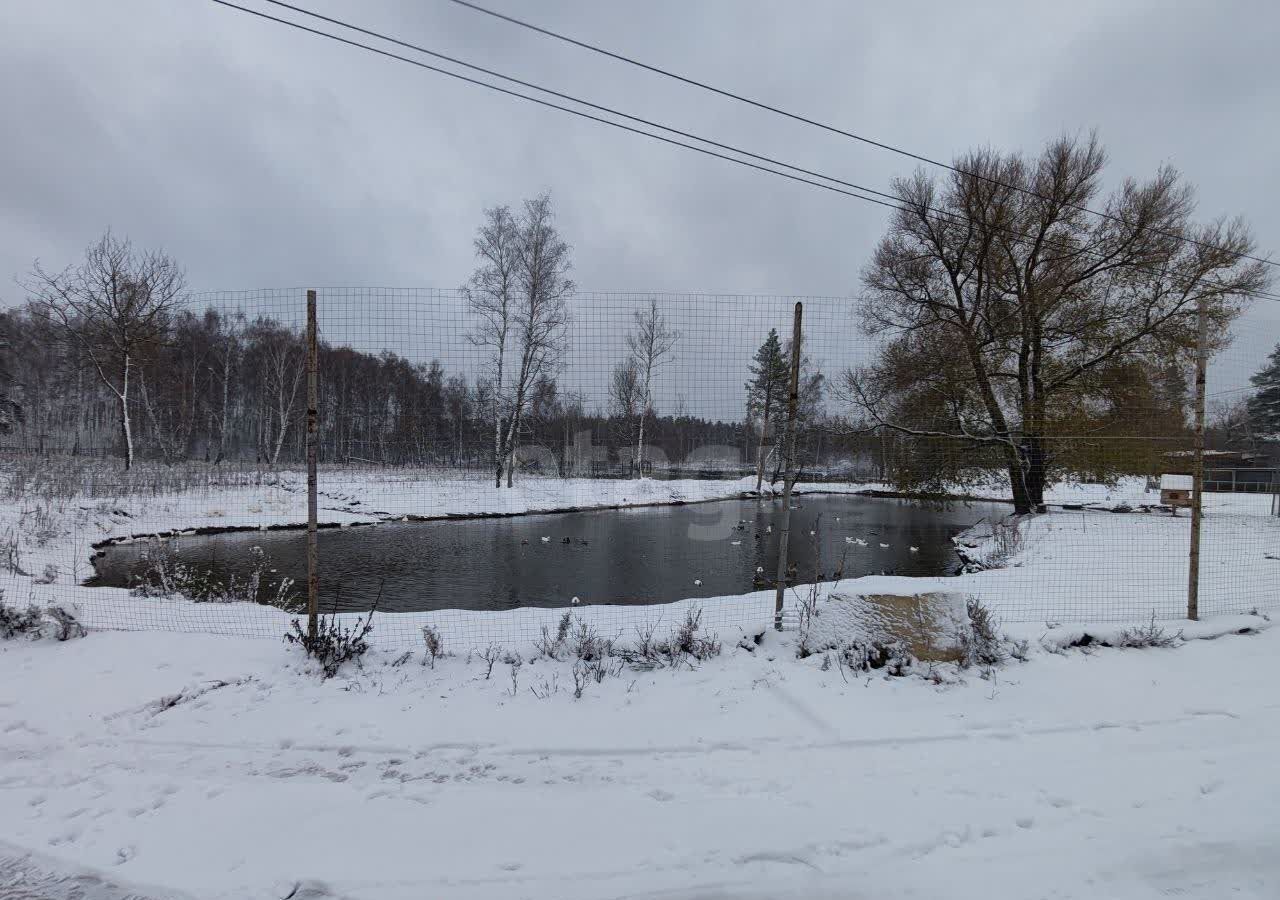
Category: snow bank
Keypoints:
(1110, 634)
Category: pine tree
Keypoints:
(767, 393)
(1264, 406)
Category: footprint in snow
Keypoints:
(660, 795)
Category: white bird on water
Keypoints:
(697, 581)
(759, 570)
(848, 540)
(860, 542)
(574, 601)
(914, 549)
(735, 543)
(546, 540)
(884, 546)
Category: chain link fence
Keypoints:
(485, 466)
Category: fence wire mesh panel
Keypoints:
(487, 464)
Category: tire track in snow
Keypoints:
(1004, 733)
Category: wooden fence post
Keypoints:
(789, 448)
(1197, 461)
(313, 580)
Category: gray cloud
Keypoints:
(265, 157)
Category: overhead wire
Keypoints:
(806, 176)
(741, 98)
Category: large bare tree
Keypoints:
(1006, 309)
(114, 308)
(649, 342)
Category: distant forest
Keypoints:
(213, 387)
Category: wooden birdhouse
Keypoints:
(1175, 491)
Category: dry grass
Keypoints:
(34, 477)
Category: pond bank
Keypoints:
(1070, 566)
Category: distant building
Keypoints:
(1226, 471)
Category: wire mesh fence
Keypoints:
(485, 465)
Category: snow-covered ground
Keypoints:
(200, 766)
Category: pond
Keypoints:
(630, 556)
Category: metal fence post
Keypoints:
(313, 581)
(789, 448)
(1197, 461)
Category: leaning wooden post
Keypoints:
(313, 580)
(1197, 460)
(789, 449)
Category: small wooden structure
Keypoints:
(1175, 491)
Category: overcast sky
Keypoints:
(263, 157)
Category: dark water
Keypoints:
(635, 556)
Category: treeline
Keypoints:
(109, 357)
(215, 387)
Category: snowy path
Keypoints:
(210, 767)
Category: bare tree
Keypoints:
(227, 351)
(285, 365)
(650, 342)
(624, 389)
(1007, 310)
(457, 405)
(113, 308)
(541, 316)
(11, 412)
(492, 295)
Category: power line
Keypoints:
(693, 82)
(572, 99)
(853, 191)
(538, 100)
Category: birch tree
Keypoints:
(541, 315)
(285, 363)
(225, 359)
(650, 342)
(492, 295)
(113, 308)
